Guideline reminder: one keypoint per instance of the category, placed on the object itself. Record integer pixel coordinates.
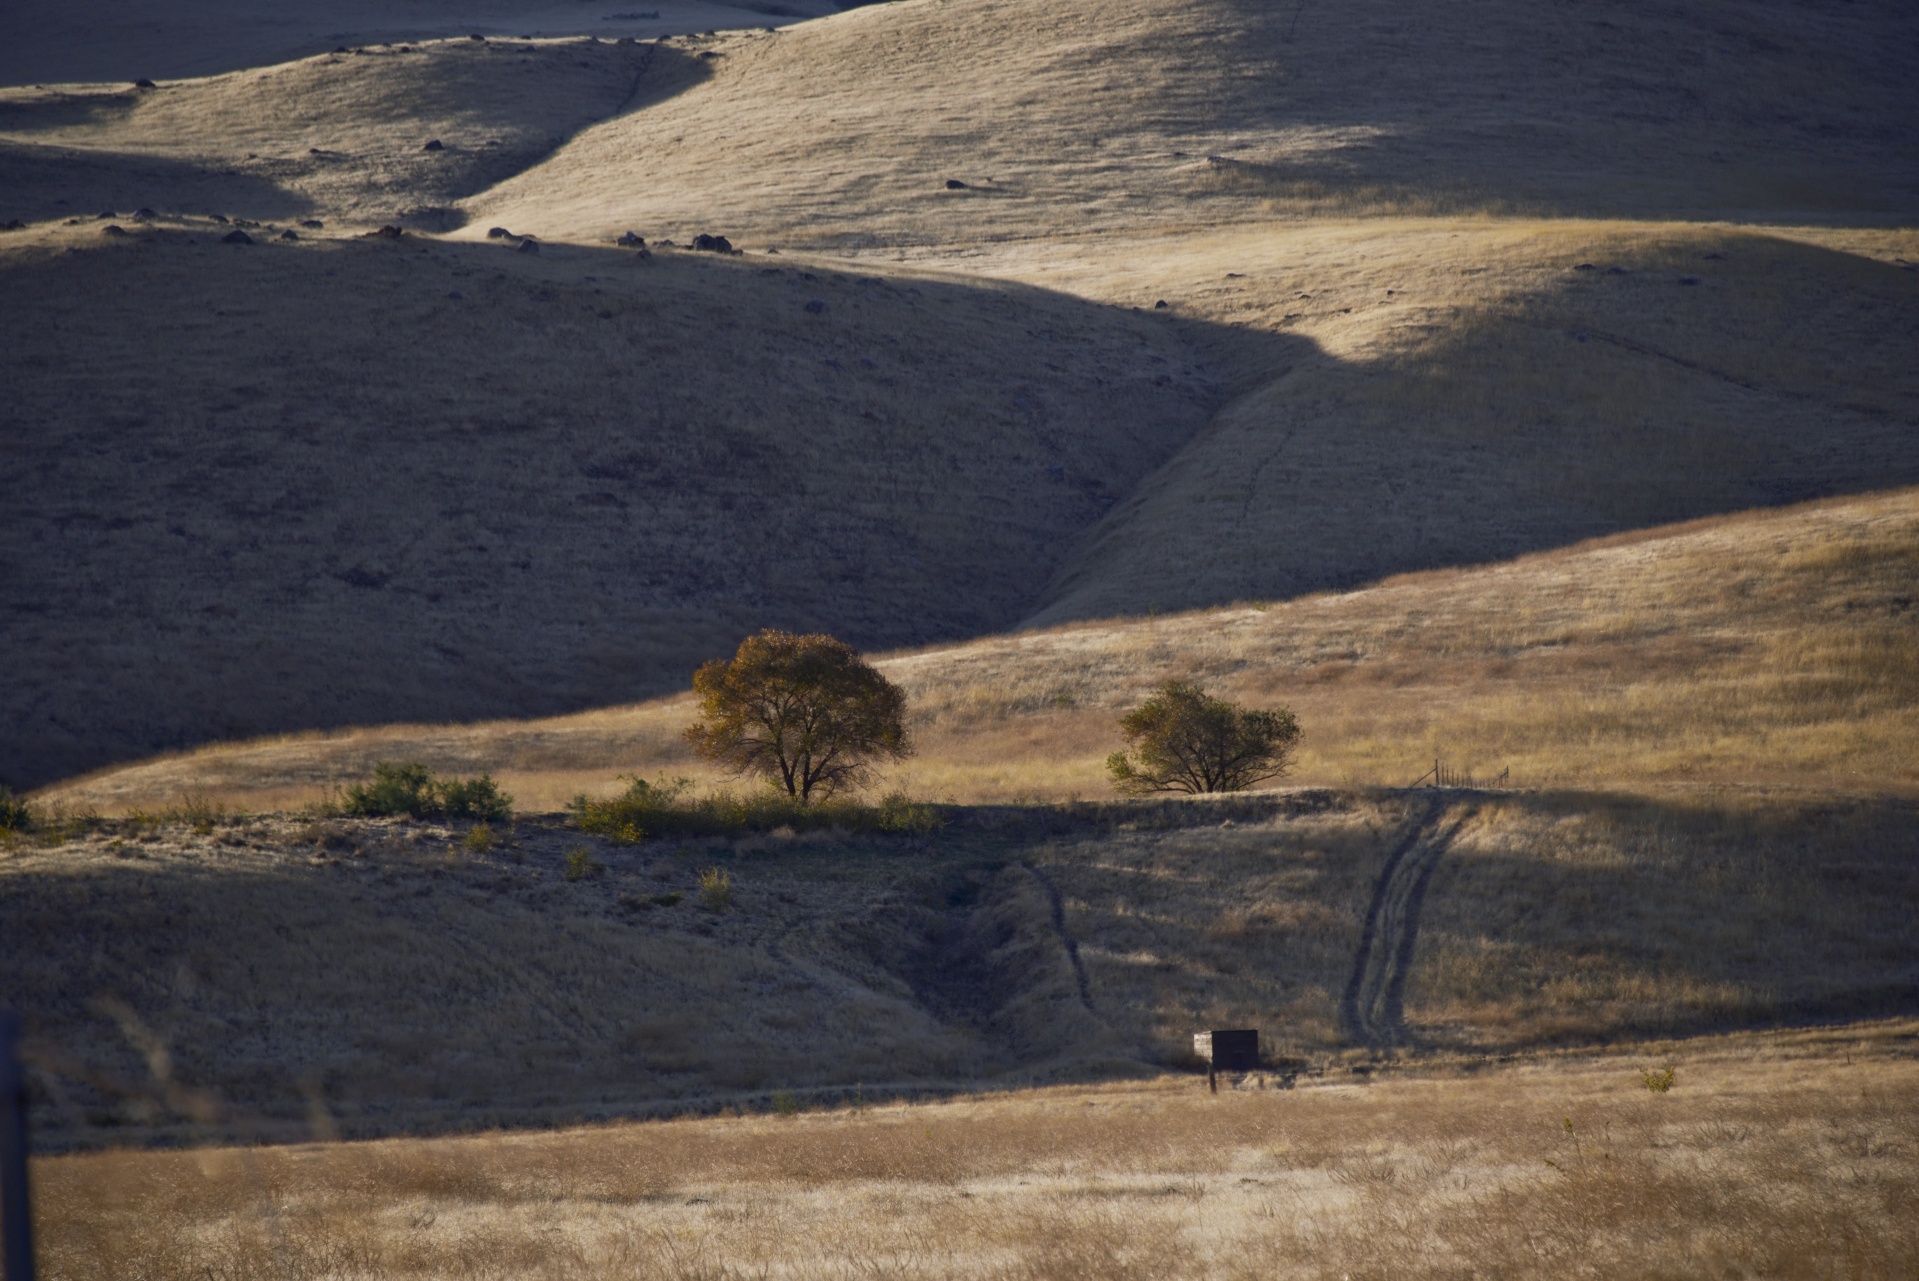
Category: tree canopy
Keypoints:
(1187, 741)
(806, 712)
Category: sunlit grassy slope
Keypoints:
(1778, 649)
(1111, 116)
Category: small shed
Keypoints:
(1234, 1050)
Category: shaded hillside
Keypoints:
(263, 976)
(305, 484)
(1068, 119)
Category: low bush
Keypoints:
(671, 809)
(15, 814)
(580, 864)
(716, 889)
(407, 787)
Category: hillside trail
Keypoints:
(1372, 1011)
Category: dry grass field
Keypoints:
(1791, 1154)
(1522, 388)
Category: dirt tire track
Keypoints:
(1372, 1011)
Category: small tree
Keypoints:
(1189, 742)
(806, 712)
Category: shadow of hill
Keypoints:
(345, 482)
(42, 183)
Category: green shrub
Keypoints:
(580, 864)
(670, 809)
(1659, 1082)
(407, 787)
(15, 814)
(479, 838)
(479, 798)
(716, 889)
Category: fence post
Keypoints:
(16, 1225)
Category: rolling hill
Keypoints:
(1441, 290)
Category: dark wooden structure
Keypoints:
(1227, 1051)
(16, 1235)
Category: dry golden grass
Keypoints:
(1790, 1154)
(1772, 649)
(1122, 115)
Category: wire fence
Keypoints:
(1440, 776)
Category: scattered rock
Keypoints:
(481, 39)
(312, 224)
(498, 233)
(106, 214)
(816, 306)
(236, 237)
(144, 83)
(1615, 271)
(289, 234)
(954, 184)
(113, 229)
(1715, 257)
(709, 53)
(666, 244)
(342, 48)
(1161, 305)
(143, 214)
(14, 225)
(216, 217)
(1585, 266)
(633, 241)
(434, 144)
(388, 232)
(713, 244)
(529, 246)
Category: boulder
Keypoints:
(498, 233)
(434, 145)
(236, 237)
(633, 241)
(529, 246)
(954, 184)
(713, 244)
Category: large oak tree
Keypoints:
(806, 712)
